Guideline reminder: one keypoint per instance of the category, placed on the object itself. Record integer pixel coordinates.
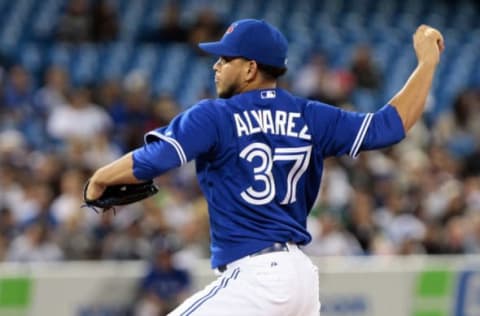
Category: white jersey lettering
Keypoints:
(264, 121)
(280, 122)
(268, 122)
(252, 130)
(257, 115)
(291, 124)
(304, 133)
(241, 126)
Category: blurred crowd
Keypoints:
(97, 21)
(419, 197)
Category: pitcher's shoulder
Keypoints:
(213, 102)
(210, 105)
(216, 109)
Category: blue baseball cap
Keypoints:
(252, 39)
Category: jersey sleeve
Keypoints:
(190, 134)
(386, 129)
(338, 132)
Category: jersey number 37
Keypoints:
(300, 156)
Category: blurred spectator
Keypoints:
(79, 119)
(400, 226)
(4, 242)
(364, 71)
(381, 246)
(339, 87)
(104, 21)
(361, 223)
(100, 152)
(48, 168)
(54, 92)
(206, 28)
(5, 63)
(69, 200)
(472, 240)
(169, 28)
(456, 236)
(309, 79)
(194, 236)
(34, 244)
(367, 80)
(439, 184)
(163, 110)
(130, 245)
(13, 147)
(131, 116)
(33, 196)
(411, 246)
(336, 190)
(433, 240)
(471, 193)
(164, 286)
(11, 192)
(316, 80)
(75, 26)
(74, 239)
(18, 90)
(332, 240)
(175, 204)
(471, 164)
(18, 103)
(109, 95)
(8, 228)
(459, 131)
(39, 196)
(102, 234)
(456, 206)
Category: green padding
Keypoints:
(434, 284)
(430, 313)
(15, 292)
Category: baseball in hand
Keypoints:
(431, 32)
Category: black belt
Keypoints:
(278, 246)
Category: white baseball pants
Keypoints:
(283, 283)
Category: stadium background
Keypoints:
(81, 81)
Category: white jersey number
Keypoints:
(263, 172)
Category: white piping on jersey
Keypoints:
(360, 135)
(173, 142)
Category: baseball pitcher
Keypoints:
(259, 154)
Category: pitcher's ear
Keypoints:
(252, 70)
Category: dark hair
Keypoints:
(271, 71)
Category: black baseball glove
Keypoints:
(121, 194)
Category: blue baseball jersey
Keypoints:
(259, 158)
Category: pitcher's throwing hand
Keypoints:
(429, 44)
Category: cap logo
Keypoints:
(230, 28)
